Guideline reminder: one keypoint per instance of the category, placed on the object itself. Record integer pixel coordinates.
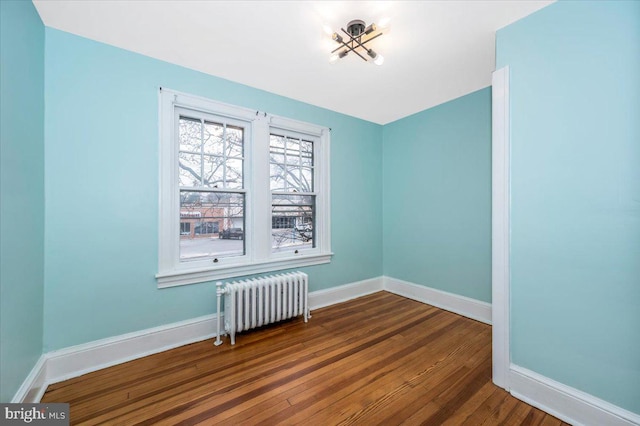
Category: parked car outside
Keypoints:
(231, 233)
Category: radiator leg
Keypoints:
(219, 293)
(233, 314)
(307, 311)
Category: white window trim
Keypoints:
(259, 257)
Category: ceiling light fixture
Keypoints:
(358, 35)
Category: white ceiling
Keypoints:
(434, 51)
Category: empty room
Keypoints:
(320, 212)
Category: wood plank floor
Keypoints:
(380, 359)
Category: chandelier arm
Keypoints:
(358, 43)
(361, 44)
(369, 39)
(350, 49)
(343, 43)
(349, 35)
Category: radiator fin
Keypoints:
(259, 301)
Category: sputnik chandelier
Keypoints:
(357, 36)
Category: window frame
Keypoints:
(180, 111)
(293, 134)
(258, 256)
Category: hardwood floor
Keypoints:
(380, 359)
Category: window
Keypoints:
(207, 228)
(293, 199)
(241, 191)
(282, 222)
(210, 180)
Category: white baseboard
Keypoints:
(562, 401)
(566, 403)
(81, 359)
(331, 296)
(75, 361)
(34, 385)
(465, 306)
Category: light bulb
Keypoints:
(377, 58)
(333, 58)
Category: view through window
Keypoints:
(210, 161)
(293, 200)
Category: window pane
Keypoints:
(276, 158)
(233, 177)
(211, 225)
(190, 134)
(292, 220)
(189, 169)
(293, 151)
(213, 134)
(213, 171)
(307, 153)
(293, 182)
(276, 143)
(306, 146)
(306, 179)
(277, 177)
(235, 138)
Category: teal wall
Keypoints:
(575, 259)
(437, 197)
(101, 170)
(21, 192)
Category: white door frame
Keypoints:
(500, 230)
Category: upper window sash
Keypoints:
(218, 146)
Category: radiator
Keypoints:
(256, 302)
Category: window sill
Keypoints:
(177, 278)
